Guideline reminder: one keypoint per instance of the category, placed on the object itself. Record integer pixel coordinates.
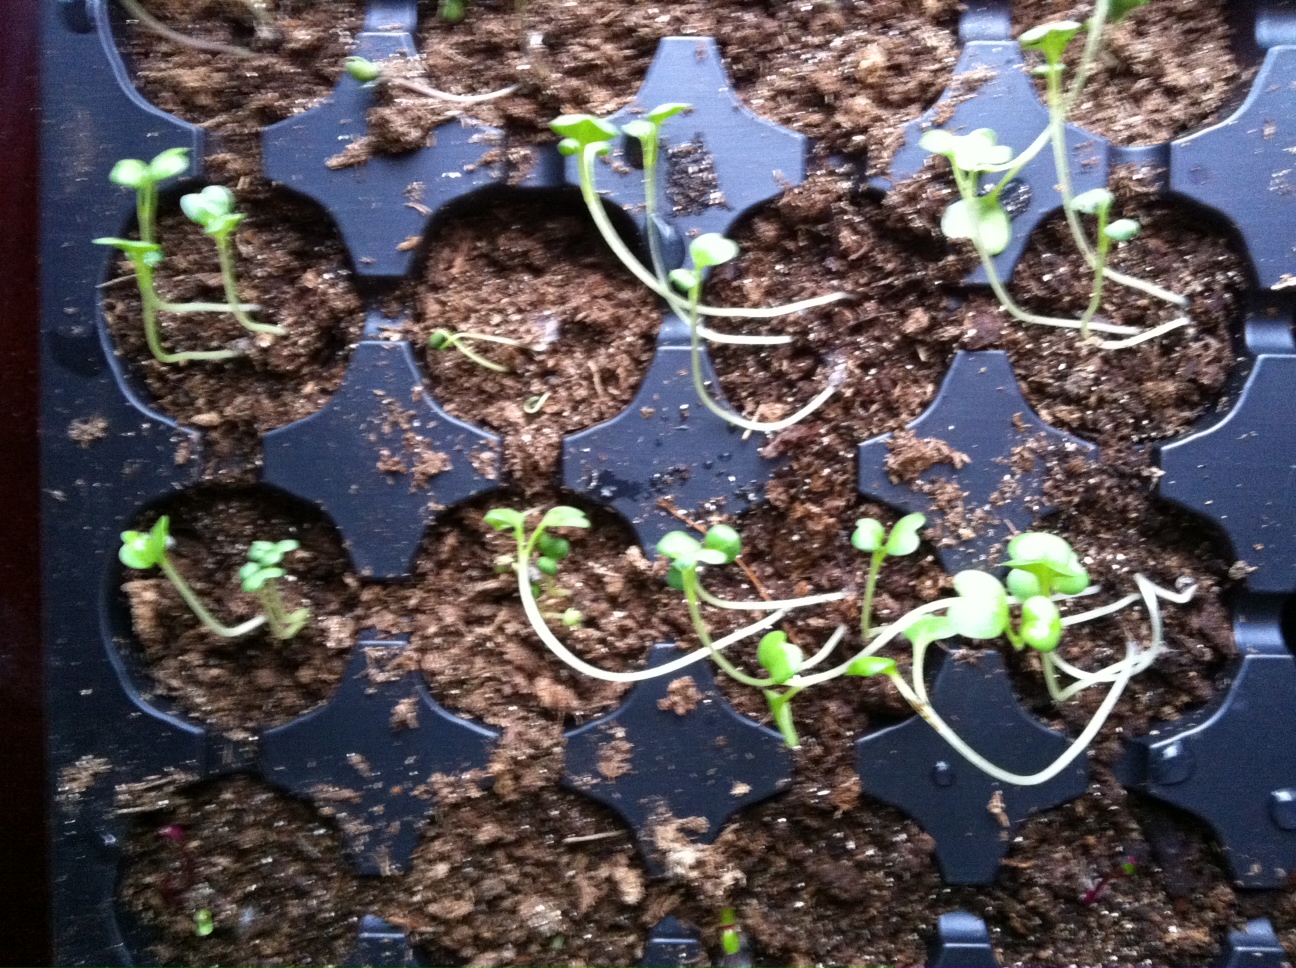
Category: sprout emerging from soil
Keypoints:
(587, 138)
(733, 944)
(447, 339)
(368, 73)
(144, 550)
(979, 215)
(1043, 572)
(145, 254)
(260, 577)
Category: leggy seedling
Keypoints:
(979, 216)
(145, 550)
(145, 254)
(369, 72)
(213, 209)
(587, 138)
(1044, 571)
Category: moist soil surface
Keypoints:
(520, 872)
(1166, 68)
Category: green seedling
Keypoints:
(1044, 572)
(735, 952)
(260, 577)
(213, 209)
(979, 215)
(144, 550)
(451, 11)
(145, 254)
(369, 73)
(872, 538)
(446, 339)
(586, 138)
(203, 923)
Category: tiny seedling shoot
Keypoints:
(587, 138)
(369, 73)
(260, 577)
(1044, 572)
(213, 208)
(144, 550)
(446, 339)
(979, 216)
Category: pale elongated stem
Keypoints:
(555, 645)
(418, 88)
(224, 250)
(151, 23)
(1077, 747)
(149, 306)
(760, 606)
(200, 610)
(628, 259)
(968, 192)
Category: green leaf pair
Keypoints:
(363, 70)
(213, 209)
(263, 563)
(720, 546)
(149, 253)
(135, 174)
(871, 536)
(706, 251)
(146, 549)
(779, 657)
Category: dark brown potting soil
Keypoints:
(1165, 69)
(847, 74)
(522, 874)
(268, 869)
(293, 64)
(529, 269)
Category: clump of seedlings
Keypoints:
(446, 339)
(213, 209)
(145, 550)
(1044, 572)
(587, 138)
(369, 72)
(979, 215)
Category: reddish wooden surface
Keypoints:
(24, 935)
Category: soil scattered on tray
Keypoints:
(295, 903)
(1166, 69)
(256, 680)
(296, 58)
(821, 875)
(290, 262)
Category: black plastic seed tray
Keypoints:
(1238, 470)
